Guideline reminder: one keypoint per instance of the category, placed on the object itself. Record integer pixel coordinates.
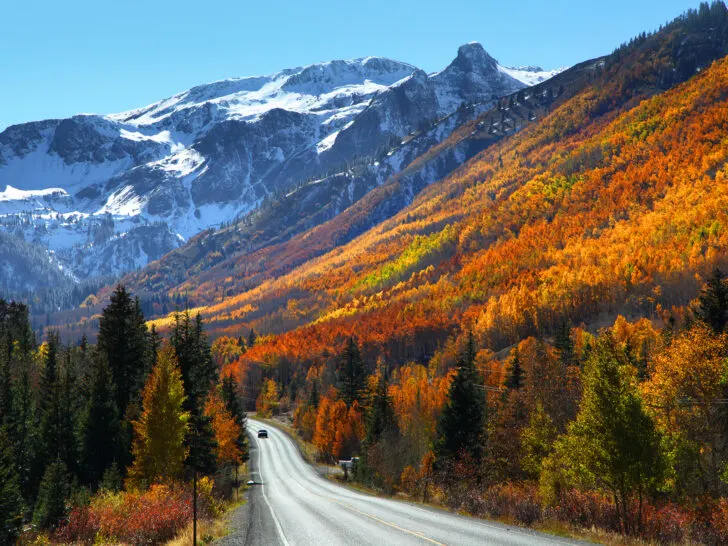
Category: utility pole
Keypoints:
(194, 507)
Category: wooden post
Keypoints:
(194, 508)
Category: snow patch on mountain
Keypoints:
(530, 75)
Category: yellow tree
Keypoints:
(686, 386)
(267, 402)
(158, 449)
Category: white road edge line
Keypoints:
(270, 507)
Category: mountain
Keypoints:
(108, 194)
(578, 215)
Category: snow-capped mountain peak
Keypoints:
(138, 183)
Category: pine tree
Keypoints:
(380, 417)
(55, 488)
(461, 428)
(198, 374)
(159, 433)
(352, 373)
(123, 340)
(252, 338)
(515, 378)
(564, 344)
(101, 430)
(713, 301)
(613, 444)
(11, 501)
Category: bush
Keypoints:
(666, 524)
(519, 503)
(585, 509)
(133, 517)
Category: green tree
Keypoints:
(159, 433)
(352, 373)
(101, 427)
(537, 441)
(461, 428)
(713, 302)
(564, 344)
(11, 501)
(55, 488)
(380, 417)
(198, 376)
(123, 340)
(613, 444)
(516, 375)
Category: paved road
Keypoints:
(304, 508)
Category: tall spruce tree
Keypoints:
(515, 378)
(101, 427)
(11, 501)
(198, 375)
(55, 488)
(123, 340)
(564, 344)
(380, 417)
(352, 373)
(713, 301)
(461, 428)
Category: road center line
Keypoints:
(352, 509)
(375, 518)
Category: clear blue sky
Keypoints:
(58, 58)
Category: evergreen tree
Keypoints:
(24, 429)
(123, 340)
(461, 429)
(313, 399)
(515, 378)
(159, 433)
(564, 344)
(11, 501)
(229, 391)
(613, 444)
(251, 338)
(198, 375)
(55, 488)
(101, 430)
(380, 417)
(713, 301)
(155, 343)
(352, 373)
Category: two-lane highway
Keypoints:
(308, 509)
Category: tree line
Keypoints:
(131, 411)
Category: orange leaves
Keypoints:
(227, 431)
(339, 430)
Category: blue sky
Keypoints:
(58, 58)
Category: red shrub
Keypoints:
(81, 526)
(520, 503)
(585, 509)
(133, 517)
(666, 524)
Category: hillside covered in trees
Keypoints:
(539, 337)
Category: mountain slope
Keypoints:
(578, 215)
(205, 156)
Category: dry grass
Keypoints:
(207, 531)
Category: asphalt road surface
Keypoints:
(292, 504)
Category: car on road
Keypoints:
(262, 433)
